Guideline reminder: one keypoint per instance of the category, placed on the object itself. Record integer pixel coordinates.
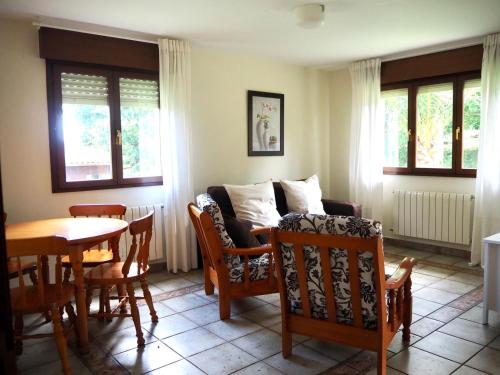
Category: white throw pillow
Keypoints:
(255, 203)
(303, 196)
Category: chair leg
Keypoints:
(224, 306)
(88, 299)
(107, 305)
(286, 342)
(67, 274)
(209, 286)
(120, 289)
(100, 314)
(149, 300)
(33, 278)
(407, 310)
(72, 318)
(135, 314)
(61, 344)
(18, 331)
(382, 362)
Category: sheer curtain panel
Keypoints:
(487, 205)
(175, 113)
(366, 144)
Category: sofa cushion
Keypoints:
(207, 204)
(303, 196)
(337, 225)
(258, 270)
(239, 231)
(255, 202)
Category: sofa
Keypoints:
(236, 229)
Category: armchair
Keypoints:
(332, 283)
(236, 273)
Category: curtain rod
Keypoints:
(82, 30)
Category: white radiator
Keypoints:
(445, 217)
(156, 247)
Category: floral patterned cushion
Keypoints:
(207, 204)
(337, 225)
(258, 267)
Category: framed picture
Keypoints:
(265, 123)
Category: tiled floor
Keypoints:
(447, 334)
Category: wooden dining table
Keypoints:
(81, 234)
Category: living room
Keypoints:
(240, 55)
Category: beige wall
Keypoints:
(220, 81)
(339, 179)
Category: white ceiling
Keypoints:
(354, 29)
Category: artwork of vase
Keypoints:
(265, 123)
(262, 128)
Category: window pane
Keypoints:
(86, 127)
(434, 126)
(471, 119)
(395, 110)
(140, 128)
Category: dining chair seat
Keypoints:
(28, 300)
(91, 258)
(112, 273)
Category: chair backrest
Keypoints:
(214, 230)
(141, 231)
(39, 247)
(211, 249)
(98, 210)
(331, 268)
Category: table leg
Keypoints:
(76, 257)
(485, 286)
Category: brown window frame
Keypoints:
(458, 81)
(56, 139)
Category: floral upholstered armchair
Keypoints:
(235, 272)
(332, 283)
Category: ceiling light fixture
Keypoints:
(310, 15)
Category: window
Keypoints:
(104, 128)
(431, 127)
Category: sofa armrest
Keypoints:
(334, 207)
(400, 276)
(249, 251)
(260, 230)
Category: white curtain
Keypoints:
(366, 143)
(175, 113)
(487, 205)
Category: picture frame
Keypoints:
(265, 123)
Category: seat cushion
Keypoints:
(107, 272)
(92, 258)
(338, 225)
(207, 204)
(30, 301)
(258, 268)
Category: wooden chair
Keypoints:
(27, 267)
(42, 296)
(332, 283)
(222, 264)
(128, 272)
(95, 257)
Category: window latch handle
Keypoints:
(118, 139)
(409, 135)
(457, 134)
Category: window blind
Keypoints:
(138, 93)
(84, 89)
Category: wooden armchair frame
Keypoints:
(390, 315)
(215, 270)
